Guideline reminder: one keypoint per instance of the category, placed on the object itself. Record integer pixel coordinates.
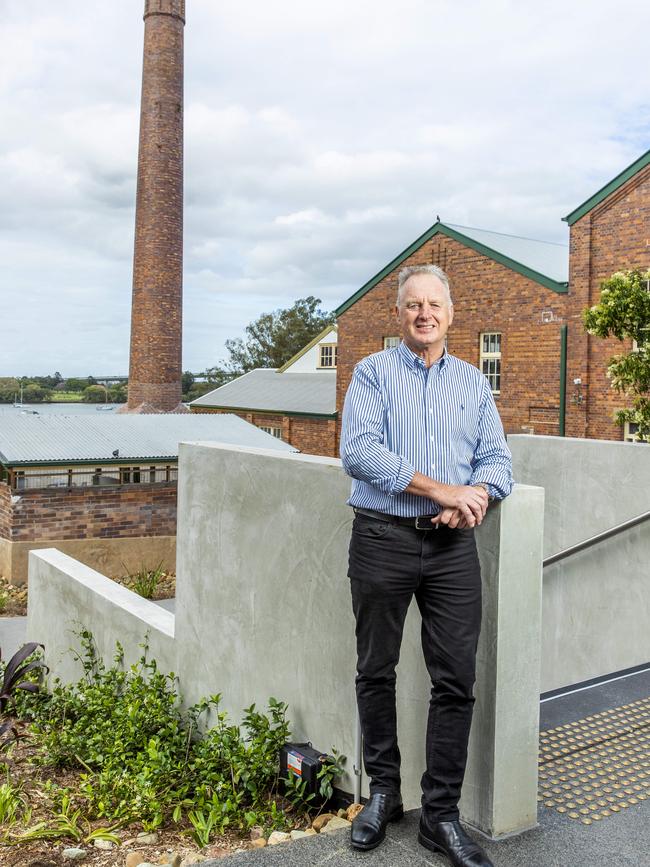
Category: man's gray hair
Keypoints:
(409, 271)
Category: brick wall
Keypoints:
(124, 511)
(156, 326)
(5, 511)
(487, 297)
(614, 236)
(312, 436)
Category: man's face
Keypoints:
(424, 314)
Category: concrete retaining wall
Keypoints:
(596, 605)
(263, 608)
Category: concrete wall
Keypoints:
(596, 606)
(263, 608)
(66, 596)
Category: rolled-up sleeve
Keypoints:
(492, 463)
(364, 455)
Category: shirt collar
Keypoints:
(415, 361)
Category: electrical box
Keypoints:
(304, 762)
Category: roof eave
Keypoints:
(440, 228)
(288, 412)
(306, 348)
(608, 189)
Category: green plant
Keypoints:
(145, 581)
(13, 803)
(4, 598)
(140, 757)
(624, 312)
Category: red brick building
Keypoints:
(518, 306)
(295, 403)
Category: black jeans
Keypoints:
(389, 564)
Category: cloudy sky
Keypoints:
(320, 140)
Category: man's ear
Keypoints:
(451, 313)
(396, 312)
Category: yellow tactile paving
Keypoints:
(593, 768)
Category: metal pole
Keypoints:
(600, 537)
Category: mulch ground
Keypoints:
(18, 767)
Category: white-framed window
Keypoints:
(391, 342)
(631, 432)
(490, 359)
(271, 429)
(327, 353)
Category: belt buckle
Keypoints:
(428, 525)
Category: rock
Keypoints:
(103, 844)
(310, 832)
(336, 824)
(297, 835)
(73, 854)
(258, 843)
(174, 860)
(256, 832)
(341, 813)
(353, 811)
(217, 852)
(192, 859)
(278, 837)
(320, 821)
(145, 839)
(134, 859)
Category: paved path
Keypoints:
(622, 840)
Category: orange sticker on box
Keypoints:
(294, 763)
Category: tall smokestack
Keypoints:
(156, 314)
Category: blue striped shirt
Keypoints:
(400, 417)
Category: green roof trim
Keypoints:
(312, 343)
(441, 229)
(101, 462)
(234, 409)
(608, 189)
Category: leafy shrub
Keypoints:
(141, 758)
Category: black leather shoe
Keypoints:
(450, 839)
(369, 827)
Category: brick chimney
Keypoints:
(156, 313)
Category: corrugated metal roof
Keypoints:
(267, 390)
(68, 439)
(546, 257)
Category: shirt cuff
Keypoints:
(404, 477)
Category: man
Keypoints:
(424, 444)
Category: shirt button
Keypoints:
(433, 439)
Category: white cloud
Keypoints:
(320, 140)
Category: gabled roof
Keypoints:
(608, 189)
(267, 390)
(545, 262)
(70, 439)
(301, 352)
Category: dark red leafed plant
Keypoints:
(13, 679)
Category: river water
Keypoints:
(60, 408)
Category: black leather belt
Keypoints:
(420, 522)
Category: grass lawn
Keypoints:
(66, 397)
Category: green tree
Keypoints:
(187, 381)
(624, 312)
(117, 393)
(94, 394)
(75, 384)
(9, 388)
(273, 338)
(35, 393)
